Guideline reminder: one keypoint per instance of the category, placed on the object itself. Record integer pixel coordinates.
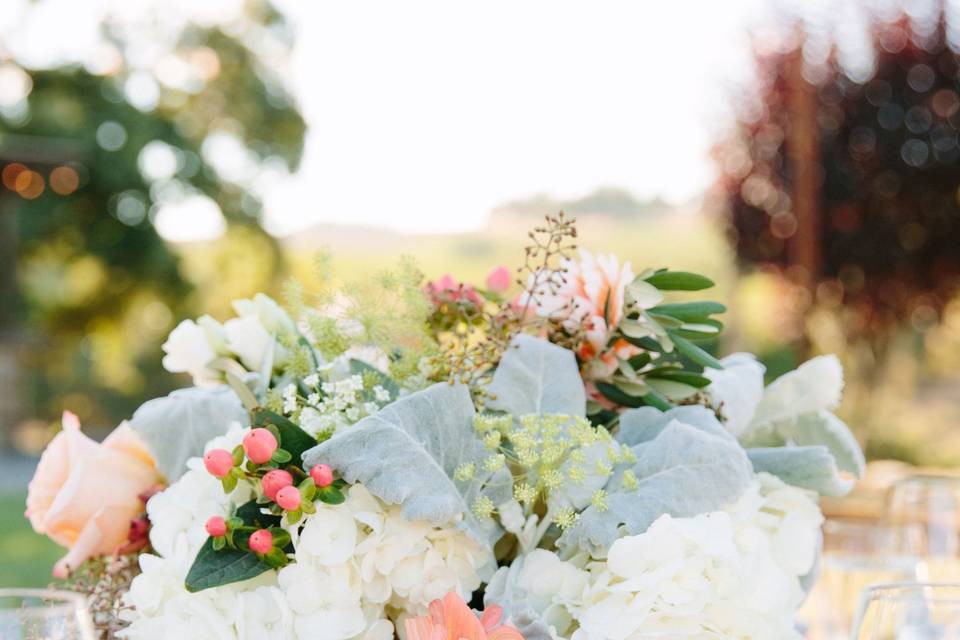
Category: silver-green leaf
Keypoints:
(537, 377)
(408, 453)
(683, 471)
(811, 467)
(176, 427)
(828, 430)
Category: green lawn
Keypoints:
(25, 557)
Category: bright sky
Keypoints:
(425, 114)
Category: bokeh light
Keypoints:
(64, 180)
(29, 184)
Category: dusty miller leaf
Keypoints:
(176, 427)
(824, 428)
(811, 467)
(646, 423)
(408, 452)
(683, 471)
(535, 376)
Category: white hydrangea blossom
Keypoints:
(358, 568)
(727, 574)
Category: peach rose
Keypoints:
(85, 494)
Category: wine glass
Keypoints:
(39, 614)
(856, 553)
(926, 512)
(909, 611)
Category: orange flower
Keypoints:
(85, 494)
(452, 619)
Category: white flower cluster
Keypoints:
(726, 574)
(359, 568)
(253, 338)
(333, 405)
(361, 565)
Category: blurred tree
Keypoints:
(850, 186)
(842, 177)
(90, 161)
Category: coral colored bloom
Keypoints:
(216, 526)
(261, 541)
(322, 475)
(588, 293)
(260, 445)
(275, 480)
(85, 494)
(218, 462)
(452, 619)
(289, 498)
(498, 280)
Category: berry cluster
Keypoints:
(287, 490)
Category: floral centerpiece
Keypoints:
(368, 461)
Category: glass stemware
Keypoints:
(925, 511)
(909, 611)
(38, 614)
(856, 553)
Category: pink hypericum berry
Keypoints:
(216, 526)
(288, 498)
(322, 475)
(498, 280)
(218, 462)
(261, 541)
(274, 481)
(259, 445)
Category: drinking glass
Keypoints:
(926, 512)
(856, 553)
(909, 611)
(38, 614)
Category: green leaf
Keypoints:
(674, 391)
(667, 322)
(281, 456)
(215, 568)
(229, 481)
(654, 399)
(686, 377)
(330, 495)
(238, 455)
(679, 281)
(693, 352)
(646, 342)
(292, 438)
(276, 558)
(615, 394)
(242, 390)
(639, 361)
(690, 311)
(219, 543)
